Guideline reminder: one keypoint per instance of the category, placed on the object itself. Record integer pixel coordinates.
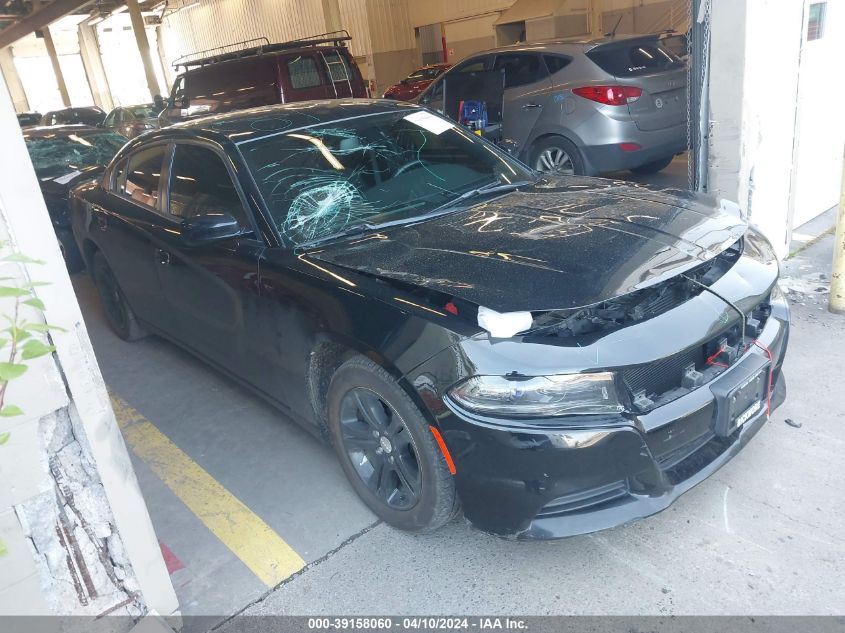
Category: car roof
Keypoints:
(256, 123)
(569, 45)
(47, 131)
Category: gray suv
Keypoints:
(586, 107)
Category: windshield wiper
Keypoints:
(490, 187)
(355, 229)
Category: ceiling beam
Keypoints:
(36, 20)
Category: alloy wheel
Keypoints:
(380, 448)
(555, 159)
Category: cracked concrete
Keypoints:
(83, 566)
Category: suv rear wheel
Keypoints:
(559, 155)
(387, 450)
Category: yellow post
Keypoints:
(837, 283)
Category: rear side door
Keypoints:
(662, 76)
(527, 87)
(304, 76)
(127, 226)
(210, 285)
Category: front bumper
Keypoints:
(539, 483)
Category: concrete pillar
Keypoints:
(13, 80)
(64, 438)
(331, 14)
(751, 134)
(57, 69)
(143, 46)
(89, 51)
(595, 17)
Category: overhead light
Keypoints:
(189, 6)
(96, 20)
(120, 9)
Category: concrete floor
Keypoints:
(762, 536)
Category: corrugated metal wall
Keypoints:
(353, 16)
(431, 11)
(390, 25)
(217, 22)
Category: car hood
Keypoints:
(566, 243)
(61, 184)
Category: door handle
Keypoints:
(163, 257)
(531, 106)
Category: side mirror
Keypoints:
(211, 227)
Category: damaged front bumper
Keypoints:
(551, 479)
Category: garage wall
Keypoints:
(217, 22)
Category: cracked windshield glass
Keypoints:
(54, 156)
(327, 179)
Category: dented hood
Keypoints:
(566, 243)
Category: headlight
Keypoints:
(539, 396)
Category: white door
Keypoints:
(819, 125)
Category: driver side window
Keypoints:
(200, 184)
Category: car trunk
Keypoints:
(644, 63)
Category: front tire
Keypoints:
(557, 155)
(118, 313)
(387, 450)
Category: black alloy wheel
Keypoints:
(387, 449)
(380, 448)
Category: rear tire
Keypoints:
(70, 251)
(387, 450)
(557, 155)
(118, 313)
(653, 167)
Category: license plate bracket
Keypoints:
(741, 394)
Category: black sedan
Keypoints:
(555, 355)
(64, 157)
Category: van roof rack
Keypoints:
(258, 46)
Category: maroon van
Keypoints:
(256, 73)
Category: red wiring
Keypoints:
(771, 375)
(712, 359)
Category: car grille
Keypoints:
(662, 381)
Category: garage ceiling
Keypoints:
(19, 18)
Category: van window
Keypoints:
(303, 72)
(338, 66)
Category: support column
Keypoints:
(89, 51)
(57, 69)
(13, 80)
(331, 15)
(837, 281)
(595, 18)
(143, 46)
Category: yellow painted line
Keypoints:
(241, 530)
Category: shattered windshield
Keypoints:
(56, 155)
(381, 168)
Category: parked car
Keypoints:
(416, 82)
(74, 116)
(586, 107)
(555, 354)
(130, 121)
(29, 119)
(64, 157)
(244, 75)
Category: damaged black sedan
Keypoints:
(552, 355)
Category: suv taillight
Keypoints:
(610, 95)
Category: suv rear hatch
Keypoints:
(646, 64)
